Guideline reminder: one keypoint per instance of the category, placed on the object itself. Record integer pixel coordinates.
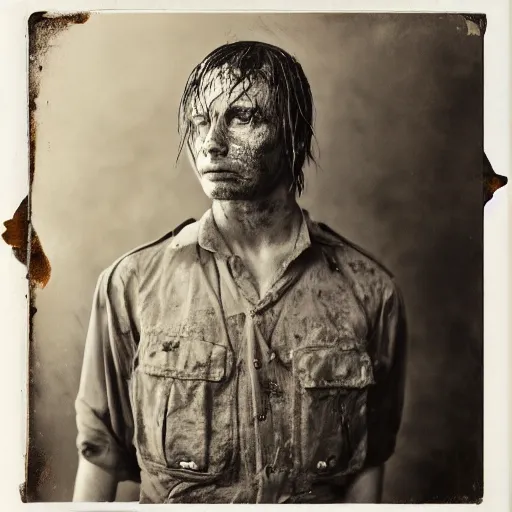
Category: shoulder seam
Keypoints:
(356, 247)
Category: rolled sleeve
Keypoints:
(386, 397)
(103, 411)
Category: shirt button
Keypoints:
(272, 356)
(256, 363)
(321, 465)
(273, 387)
(262, 417)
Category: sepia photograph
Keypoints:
(265, 235)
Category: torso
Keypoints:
(206, 414)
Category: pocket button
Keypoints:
(168, 346)
(321, 465)
(188, 465)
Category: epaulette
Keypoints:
(167, 236)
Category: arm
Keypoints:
(366, 486)
(94, 483)
(103, 409)
(385, 398)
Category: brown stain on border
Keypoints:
(42, 28)
(491, 181)
(17, 236)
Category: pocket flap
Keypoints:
(329, 367)
(184, 358)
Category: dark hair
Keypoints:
(289, 87)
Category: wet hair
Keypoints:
(291, 99)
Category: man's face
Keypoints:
(233, 142)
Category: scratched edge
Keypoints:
(36, 50)
(32, 22)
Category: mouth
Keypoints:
(219, 174)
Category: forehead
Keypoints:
(222, 87)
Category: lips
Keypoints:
(218, 169)
(220, 174)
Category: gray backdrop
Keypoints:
(399, 130)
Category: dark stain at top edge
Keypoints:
(43, 26)
(60, 21)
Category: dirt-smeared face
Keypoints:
(233, 141)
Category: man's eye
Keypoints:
(199, 121)
(243, 117)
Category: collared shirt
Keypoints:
(208, 393)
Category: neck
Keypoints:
(255, 224)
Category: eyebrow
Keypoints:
(242, 108)
(239, 105)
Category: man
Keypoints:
(255, 356)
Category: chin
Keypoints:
(228, 191)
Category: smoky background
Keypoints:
(399, 128)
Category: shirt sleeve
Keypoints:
(386, 396)
(103, 411)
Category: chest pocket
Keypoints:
(177, 387)
(331, 408)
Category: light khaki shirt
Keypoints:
(207, 393)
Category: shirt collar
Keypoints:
(210, 238)
(320, 232)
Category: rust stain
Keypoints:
(20, 233)
(17, 236)
(42, 28)
(491, 181)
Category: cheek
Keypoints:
(196, 144)
(253, 146)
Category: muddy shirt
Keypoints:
(204, 392)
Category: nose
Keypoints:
(215, 142)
